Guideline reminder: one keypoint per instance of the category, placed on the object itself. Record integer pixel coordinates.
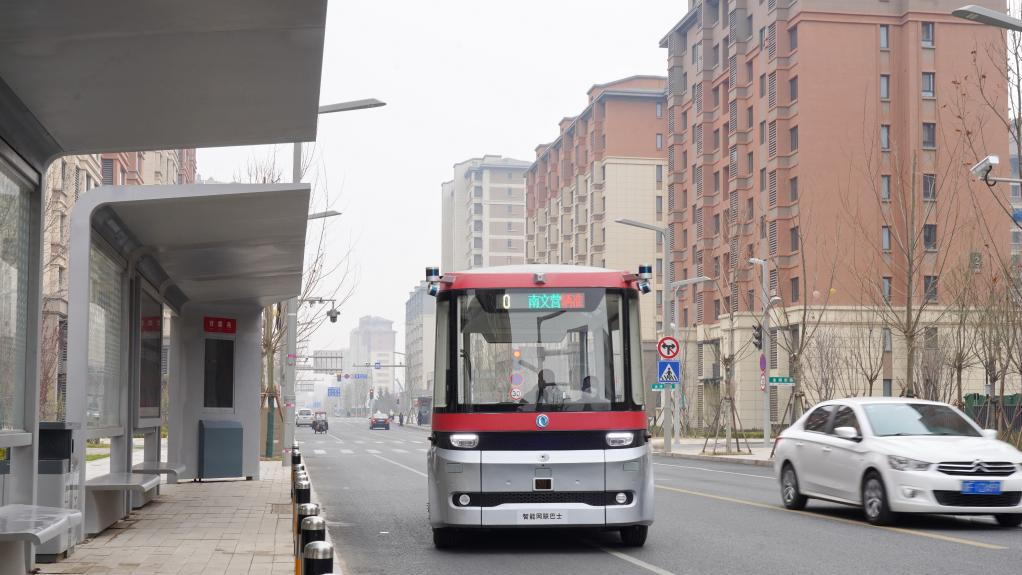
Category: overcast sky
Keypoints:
(460, 79)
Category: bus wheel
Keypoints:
(634, 535)
(445, 537)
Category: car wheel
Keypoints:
(874, 501)
(1009, 519)
(445, 537)
(634, 535)
(790, 494)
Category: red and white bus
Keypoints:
(538, 417)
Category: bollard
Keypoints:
(313, 529)
(296, 454)
(318, 558)
(302, 491)
(304, 510)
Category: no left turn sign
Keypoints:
(668, 347)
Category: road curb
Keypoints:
(338, 561)
(719, 458)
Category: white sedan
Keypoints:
(899, 455)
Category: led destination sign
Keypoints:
(542, 300)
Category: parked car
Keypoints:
(379, 420)
(303, 417)
(899, 455)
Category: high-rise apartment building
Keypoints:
(372, 342)
(828, 126)
(607, 163)
(483, 214)
(420, 331)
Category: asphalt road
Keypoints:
(711, 518)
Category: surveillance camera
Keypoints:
(433, 289)
(643, 286)
(332, 314)
(982, 169)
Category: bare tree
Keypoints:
(867, 348)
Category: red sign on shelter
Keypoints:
(220, 325)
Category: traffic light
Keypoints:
(340, 377)
(370, 393)
(757, 336)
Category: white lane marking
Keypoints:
(373, 451)
(378, 442)
(359, 441)
(638, 563)
(713, 470)
(399, 450)
(397, 441)
(401, 465)
(347, 451)
(319, 451)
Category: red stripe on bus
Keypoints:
(468, 280)
(559, 421)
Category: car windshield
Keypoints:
(896, 419)
(304, 412)
(542, 350)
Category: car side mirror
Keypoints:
(990, 433)
(848, 433)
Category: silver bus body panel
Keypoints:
(452, 471)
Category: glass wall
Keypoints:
(14, 270)
(151, 355)
(106, 297)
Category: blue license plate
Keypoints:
(981, 487)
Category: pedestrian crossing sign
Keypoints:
(668, 372)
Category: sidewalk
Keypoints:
(220, 527)
(692, 448)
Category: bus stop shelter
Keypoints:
(120, 76)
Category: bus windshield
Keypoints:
(544, 350)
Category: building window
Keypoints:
(929, 135)
(749, 209)
(885, 288)
(749, 163)
(762, 179)
(794, 290)
(793, 189)
(477, 260)
(477, 225)
(748, 117)
(929, 85)
(886, 337)
(930, 187)
(884, 37)
(888, 391)
(1016, 191)
(716, 139)
(477, 191)
(793, 88)
(762, 227)
(715, 95)
(659, 207)
(716, 224)
(794, 237)
(930, 288)
(930, 237)
(716, 309)
(793, 38)
(927, 34)
(885, 137)
(477, 243)
(885, 188)
(1016, 237)
(762, 132)
(510, 226)
(762, 85)
(659, 173)
(660, 141)
(885, 238)
(793, 138)
(510, 244)
(477, 209)
(659, 110)
(885, 87)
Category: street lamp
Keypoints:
(668, 423)
(292, 303)
(675, 290)
(989, 17)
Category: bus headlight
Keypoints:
(465, 440)
(620, 438)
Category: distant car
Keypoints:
(379, 421)
(899, 455)
(303, 417)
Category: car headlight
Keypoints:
(464, 440)
(620, 438)
(906, 464)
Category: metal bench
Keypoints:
(24, 525)
(169, 468)
(104, 497)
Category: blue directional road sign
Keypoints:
(668, 372)
(333, 392)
